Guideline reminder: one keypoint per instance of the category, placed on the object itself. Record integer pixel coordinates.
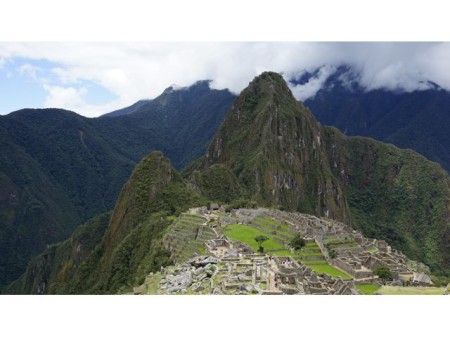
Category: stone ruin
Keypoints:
(233, 267)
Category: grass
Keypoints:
(367, 289)
(373, 249)
(247, 234)
(314, 262)
(329, 270)
(319, 253)
(388, 290)
(153, 285)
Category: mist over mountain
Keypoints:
(417, 120)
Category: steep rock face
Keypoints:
(273, 146)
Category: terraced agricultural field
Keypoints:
(367, 289)
(329, 270)
(187, 235)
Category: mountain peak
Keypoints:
(272, 144)
(269, 82)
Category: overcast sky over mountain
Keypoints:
(95, 78)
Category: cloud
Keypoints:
(134, 71)
(72, 98)
(29, 70)
(309, 89)
(60, 97)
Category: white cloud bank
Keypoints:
(134, 71)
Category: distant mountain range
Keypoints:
(418, 120)
(269, 151)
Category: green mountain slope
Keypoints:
(272, 145)
(120, 251)
(417, 120)
(282, 157)
(59, 169)
(396, 195)
(26, 195)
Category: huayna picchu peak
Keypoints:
(278, 204)
(272, 144)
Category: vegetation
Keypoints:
(129, 247)
(247, 234)
(297, 242)
(63, 261)
(59, 169)
(211, 181)
(329, 270)
(389, 290)
(367, 289)
(260, 240)
(384, 273)
(241, 203)
(406, 119)
(332, 253)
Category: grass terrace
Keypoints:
(247, 234)
(329, 270)
(187, 236)
(367, 289)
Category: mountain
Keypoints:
(417, 120)
(59, 169)
(272, 144)
(111, 253)
(178, 122)
(128, 110)
(282, 158)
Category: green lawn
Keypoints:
(247, 234)
(329, 270)
(314, 262)
(388, 290)
(367, 289)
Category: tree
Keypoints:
(384, 273)
(332, 254)
(260, 239)
(297, 242)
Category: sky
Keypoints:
(93, 78)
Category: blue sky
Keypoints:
(93, 78)
(27, 83)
